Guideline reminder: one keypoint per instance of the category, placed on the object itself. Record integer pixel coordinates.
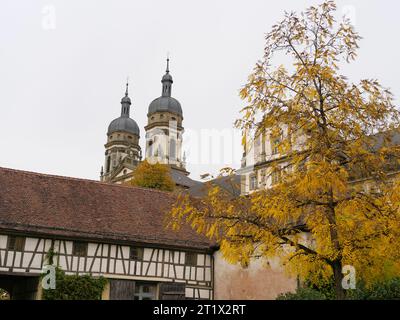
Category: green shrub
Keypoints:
(75, 287)
(383, 290)
(325, 287)
(302, 294)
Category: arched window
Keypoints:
(108, 164)
(150, 148)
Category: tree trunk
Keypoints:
(338, 276)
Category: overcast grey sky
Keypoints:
(63, 67)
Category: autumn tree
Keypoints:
(154, 176)
(335, 203)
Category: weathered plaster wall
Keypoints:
(106, 292)
(257, 282)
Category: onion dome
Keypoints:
(124, 122)
(166, 103)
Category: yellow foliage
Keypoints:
(321, 216)
(154, 176)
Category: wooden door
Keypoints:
(122, 289)
(172, 291)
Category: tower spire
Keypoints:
(167, 81)
(127, 85)
(125, 102)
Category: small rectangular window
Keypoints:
(276, 177)
(16, 243)
(79, 249)
(191, 259)
(275, 145)
(253, 182)
(136, 254)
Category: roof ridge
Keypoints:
(83, 180)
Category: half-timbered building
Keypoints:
(101, 229)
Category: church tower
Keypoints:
(164, 128)
(123, 152)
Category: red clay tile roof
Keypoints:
(76, 208)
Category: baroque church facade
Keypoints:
(163, 134)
